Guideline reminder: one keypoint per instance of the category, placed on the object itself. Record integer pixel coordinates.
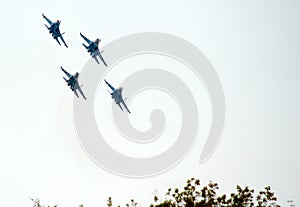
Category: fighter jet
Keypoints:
(54, 30)
(93, 49)
(73, 82)
(116, 94)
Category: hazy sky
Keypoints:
(253, 45)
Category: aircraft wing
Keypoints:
(95, 57)
(120, 106)
(100, 56)
(62, 39)
(110, 86)
(81, 92)
(57, 41)
(68, 74)
(77, 87)
(76, 93)
(48, 20)
(123, 102)
(86, 39)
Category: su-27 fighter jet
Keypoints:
(73, 82)
(93, 49)
(116, 94)
(54, 30)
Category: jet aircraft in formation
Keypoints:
(116, 94)
(54, 30)
(93, 49)
(73, 82)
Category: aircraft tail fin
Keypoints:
(65, 79)
(46, 26)
(86, 47)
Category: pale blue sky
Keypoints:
(253, 45)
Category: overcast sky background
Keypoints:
(253, 45)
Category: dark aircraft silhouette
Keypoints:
(54, 30)
(93, 49)
(116, 94)
(73, 82)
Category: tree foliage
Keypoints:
(37, 203)
(193, 195)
